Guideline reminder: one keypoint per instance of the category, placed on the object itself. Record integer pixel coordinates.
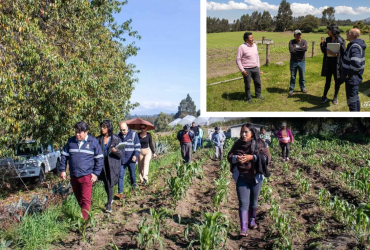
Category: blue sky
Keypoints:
(344, 9)
(169, 55)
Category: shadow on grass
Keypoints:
(237, 96)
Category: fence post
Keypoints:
(313, 48)
(268, 54)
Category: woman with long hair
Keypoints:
(285, 137)
(146, 153)
(332, 62)
(112, 160)
(248, 158)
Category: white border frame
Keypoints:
(203, 87)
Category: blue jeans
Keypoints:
(195, 143)
(353, 101)
(294, 66)
(248, 192)
(199, 142)
(121, 180)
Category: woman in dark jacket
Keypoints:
(332, 65)
(112, 160)
(248, 159)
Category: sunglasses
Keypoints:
(123, 130)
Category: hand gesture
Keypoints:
(244, 73)
(114, 150)
(63, 175)
(93, 178)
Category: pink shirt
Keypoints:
(247, 56)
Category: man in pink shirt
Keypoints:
(248, 63)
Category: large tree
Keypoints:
(284, 17)
(328, 16)
(62, 62)
(162, 121)
(309, 23)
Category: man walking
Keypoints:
(185, 136)
(195, 130)
(130, 156)
(200, 137)
(248, 63)
(218, 138)
(297, 48)
(85, 160)
(353, 66)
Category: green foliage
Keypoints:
(149, 233)
(309, 23)
(62, 63)
(211, 233)
(284, 16)
(161, 124)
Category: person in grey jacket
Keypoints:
(297, 49)
(218, 138)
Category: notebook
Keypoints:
(334, 47)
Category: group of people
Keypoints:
(249, 158)
(101, 158)
(190, 138)
(346, 65)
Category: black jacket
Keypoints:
(114, 160)
(341, 52)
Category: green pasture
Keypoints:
(221, 55)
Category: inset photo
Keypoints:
(287, 56)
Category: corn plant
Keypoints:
(212, 233)
(149, 234)
(221, 195)
(303, 182)
(266, 191)
(83, 224)
(178, 187)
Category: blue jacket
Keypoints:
(82, 161)
(353, 64)
(217, 137)
(132, 148)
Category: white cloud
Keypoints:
(363, 9)
(302, 9)
(231, 5)
(157, 105)
(344, 10)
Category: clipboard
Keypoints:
(334, 47)
(121, 145)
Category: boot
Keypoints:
(243, 216)
(252, 218)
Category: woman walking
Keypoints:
(285, 137)
(248, 159)
(112, 160)
(147, 150)
(332, 62)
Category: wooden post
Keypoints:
(268, 54)
(313, 48)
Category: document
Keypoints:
(333, 47)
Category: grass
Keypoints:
(221, 53)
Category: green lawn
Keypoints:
(221, 53)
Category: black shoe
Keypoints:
(304, 91)
(324, 99)
(290, 92)
(335, 100)
(249, 101)
(260, 97)
(145, 182)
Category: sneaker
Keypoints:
(108, 209)
(324, 99)
(287, 159)
(249, 101)
(145, 182)
(283, 159)
(335, 100)
(304, 91)
(290, 92)
(260, 97)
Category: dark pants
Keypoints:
(82, 188)
(353, 101)
(186, 151)
(121, 179)
(248, 191)
(284, 148)
(253, 73)
(294, 66)
(105, 177)
(331, 71)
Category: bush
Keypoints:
(321, 30)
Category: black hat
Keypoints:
(217, 128)
(186, 127)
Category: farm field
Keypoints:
(221, 65)
(315, 201)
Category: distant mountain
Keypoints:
(367, 19)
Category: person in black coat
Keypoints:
(332, 65)
(112, 160)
